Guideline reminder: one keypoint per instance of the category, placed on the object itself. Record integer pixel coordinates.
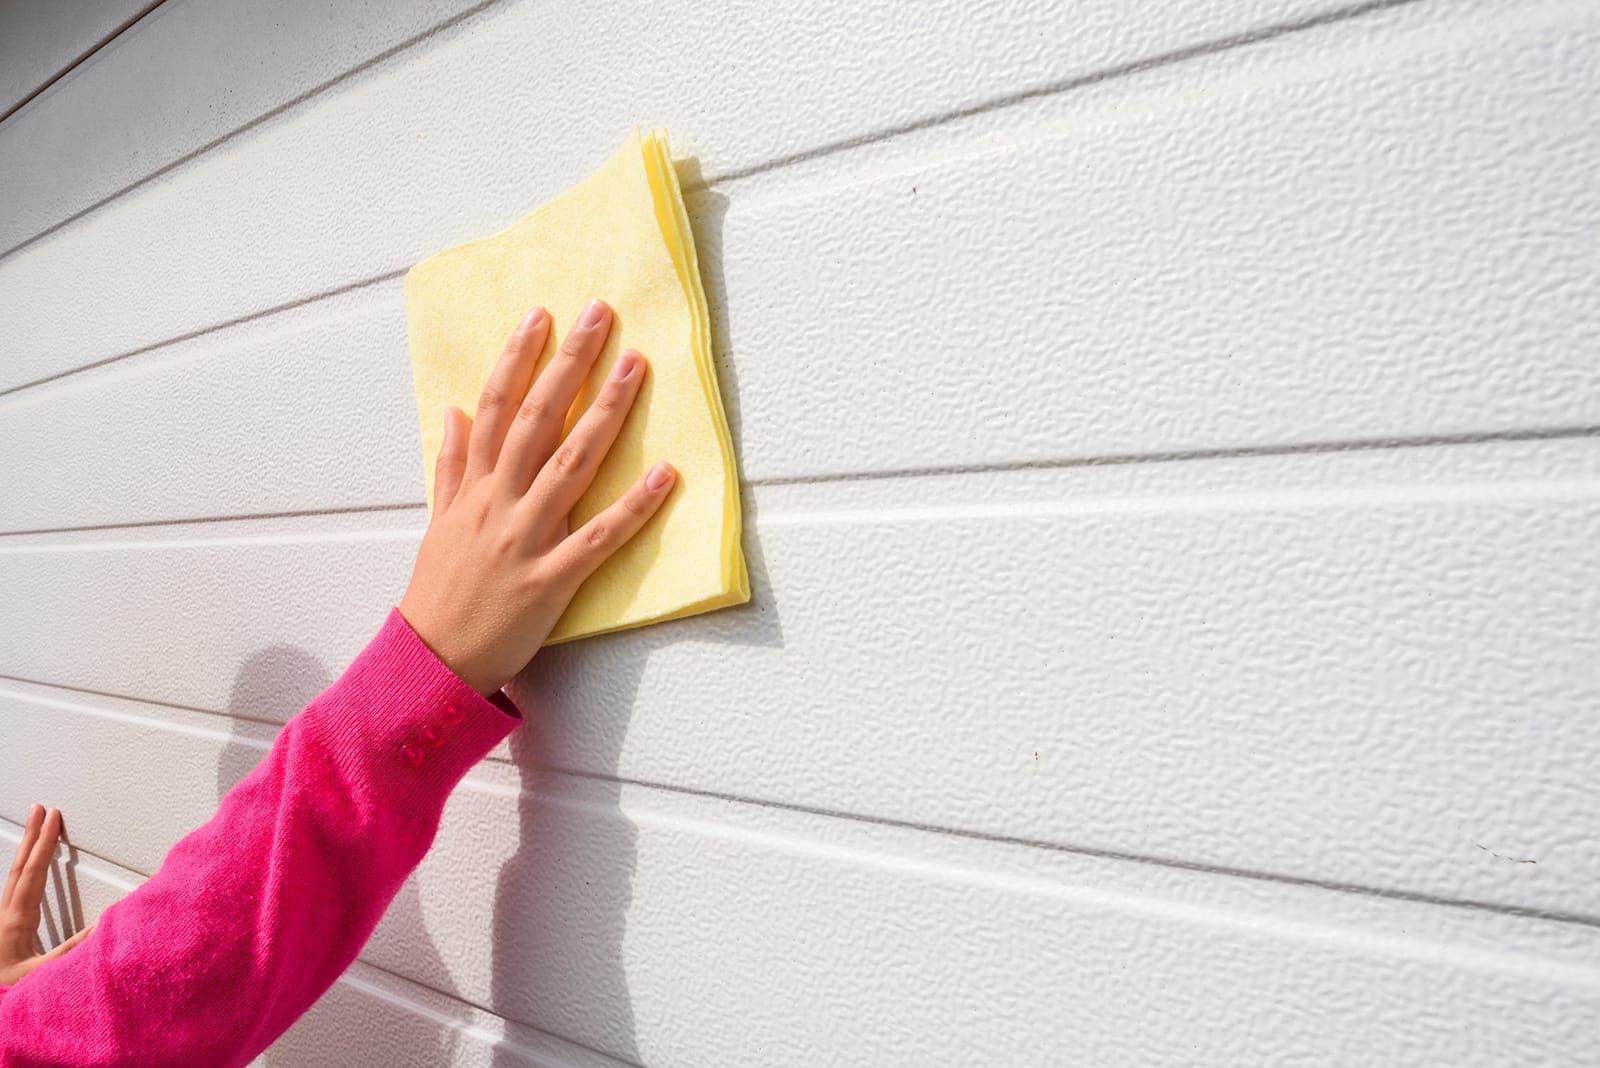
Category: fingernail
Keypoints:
(624, 365)
(592, 314)
(533, 318)
(659, 476)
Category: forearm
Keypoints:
(254, 915)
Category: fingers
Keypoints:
(543, 414)
(451, 466)
(571, 469)
(25, 887)
(30, 835)
(503, 393)
(30, 888)
(593, 543)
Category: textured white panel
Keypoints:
(1129, 673)
(528, 82)
(380, 173)
(1156, 339)
(1232, 287)
(131, 779)
(373, 1019)
(191, 72)
(1306, 254)
(673, 931)
(41, 38)
(311, 410)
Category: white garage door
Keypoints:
(1171, 441)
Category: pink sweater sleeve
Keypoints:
(254, 915)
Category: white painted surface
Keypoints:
(414, 132)
(1270, 742)
(238, 62)
(41, 39)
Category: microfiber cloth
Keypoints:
(621, 235)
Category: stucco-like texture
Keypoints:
(1169, 439)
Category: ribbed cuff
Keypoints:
(402, 727)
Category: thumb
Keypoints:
(70, 943)
(22, 968)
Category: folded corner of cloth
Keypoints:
(622, 234)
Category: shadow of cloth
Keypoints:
(273, 685)
(562, 900)
(708, 211)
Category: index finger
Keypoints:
(30, 832)
(30, 888)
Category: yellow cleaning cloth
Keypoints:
(621, 235)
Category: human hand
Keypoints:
(19, 903)
(498, 566)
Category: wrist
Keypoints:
(459, 664)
